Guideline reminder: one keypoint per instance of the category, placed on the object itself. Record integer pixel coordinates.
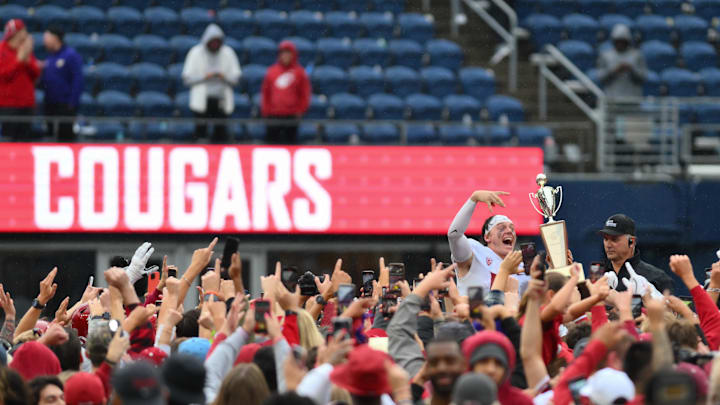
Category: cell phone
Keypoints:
(528, 255)
(636, 304)
(307, 284)
(397, 274)
(345, 295)
(597, 270)
(542, 264)
(387, 301)
(91, 280)
(368, 276)
(262, 307)
(575, 386)
(231, 247)
(172, 272)
(495, 297)
(289, 277)
(416, 282)
(584, 292)
(342, 323)
(476, 298)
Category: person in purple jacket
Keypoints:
(62, 81)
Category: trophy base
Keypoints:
(565, 271)
(554, 237)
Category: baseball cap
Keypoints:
(98, 341)
(12, 27)
(489, 350)
(196, 346)
(153, 355)
(597, 385)
(619, 32)
(456, 331)
(474, 389)
(84, 388)
(184, 376)
(138, 383)
(364, 373)
(619, 224)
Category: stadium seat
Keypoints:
(416, 26)
(281, 5)
(207, 4)
(175, 76)
(544, 29)
(402, 81)
(708, 114)
(88, 106)
(252, 78)
(47, 15)
(710, 78)
(244, 4)
(456, 134)
(112, 76)
(532, 135)
(667, 8)
(406, 53)
(391, 6)
(348, 106)
(89, 50)
(308, 133)
(150, 77)
(339, 133)
(653, 27)
(658, 55)
(305, 48)
(243, 106)
(148, 131)
(236, 45)
(580, 53)
(108, 131)
(182, 104)
(260, 50)
(117, 49)
(10, 11)
(136, 4)
(366, 80)
(237, 23)
(154, 104)
(630, 8)
(378, 25)
(255, 132)
(439, 81)
(594, 8)
(154, 49)
(651, 86)
(493, 134)
(510, 107)
(609, 21)
(318, 109)
(336, 52)
(116, 103)
(557, 8)
(181, 44)
(420, 134)
(707, 9)
(477, 82)
(380, 133)
(698, 55)
(88, 20)
(273, 24)
(386, 107)
(680, 82)
(581, 27)
(344, 24)
(318, 5)
(125, 21)
(38, 48)
(162, 21)
(309, 24)
(460, 106)
(445, 53)
(424, 107)
(195, 20)
(372, 52)
(691, 28)
(357, 6)
(329, 80)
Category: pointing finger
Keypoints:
(212, 244)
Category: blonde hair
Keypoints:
(245, 382)
(340, 395)
(27, 336)
(310, 336)
(714, 383)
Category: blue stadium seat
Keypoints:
(273, 24)
(252, 78)
(243, 106)
(580, 53)
(182, 104)
(244, 4)
(594, 8)
(708, 114)
(47, 15)
(416, 26)
(544, 29)
(710, 78)
(445, 53)
(512, 108)
(256, 132)
(424, 107)
(532, 135)
(125, 20)
(195, 20)
(372, 52)
(318, 108)
(402, 81)
(439, 81)
(667, 8)
(112, 76)
(493, 134)
(154, 104)
(658, 55)
(308, 133)
(630, 8)
(329, 80)
(336, 52)
(136, 4)
(260, 50)
(477, 82)
(162, 21)
(318, 5)
(691, 28)
(38, 48)
(237, 23)
(309, 24)
(456, 134)
(680, 82)
(88, 107)
(386, 107)
(116, 103)
(207, 4)
(306, 50)
(10, 11)
(524, 8)
(653, 27)
(698, 55)
(391, 6)
(257, 100)
(581, 27)
(89, 20)
(339, 133)
(366, 80)
(89, 49)
(459, 106)
(154, 49)
(147, 131)
(181, 44)
(150, 77)
(108, 131)
(357, 6)
(651, 86)
(420, 133)
(380, 133)
(557, 8)
(281, 5)
(117, 49)
(236, 45)
(378, 25)
(608, 21)
(406, 52)
(175, 76)
(344, 24)
(348, 106)
(707, 9)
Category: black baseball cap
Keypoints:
(138, 383)
(184, 376)
(619, 224)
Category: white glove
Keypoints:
(639, 285)
(612, 279)
(717, 253)
(136, 270)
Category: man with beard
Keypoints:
(445, 364)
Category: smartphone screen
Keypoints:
(495, 297)
(172, 273)
(262, 307)
(345, 295)
(597, 270)
(475, 294)
(397, 274)
(289, 277)
(575, 386)
(342, 323)
(584, 292)
(636, 305)
(367, 282)
(231, 247)
(528, 254)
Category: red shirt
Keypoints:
(17, 79)
(550, 338)
(286, 88)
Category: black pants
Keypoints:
(282, 134)
(17, 131)
(213, 110)
(63, 130)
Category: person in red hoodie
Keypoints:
(285, 95)
(18, 72)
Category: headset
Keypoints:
(630, 241)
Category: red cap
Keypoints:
(12, 27)
(364, 373)
(34, 359)
(153, 355)
(247, 353)
(84, 388)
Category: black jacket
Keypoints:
(659, 278)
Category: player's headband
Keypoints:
(496, 220)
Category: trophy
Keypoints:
(553, 233)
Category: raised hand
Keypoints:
(61, 315)
(90, 293)
(639, 284)
(137, 317)
(48, 287)
(117, 277)
(491, 198)
(682, 267)
(339, 276)
(201, 257)
(510, 264)
(211, 280)
(437, 280)
(54, 335)
(7, 303)
(235, 269)
(136, 269)
(599, 289)
(358, 307)
(118, 346)
(610, 334)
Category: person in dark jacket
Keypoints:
(620, 245)
(62, 81)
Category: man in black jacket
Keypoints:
(620, 245)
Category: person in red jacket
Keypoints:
(285, 95)
(18, 72)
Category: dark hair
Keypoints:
(188, 325)
(683, 333)
(484, 229)
(576, 332)
(311, 357)
(555, 281)
(265, 360)
(38, 384)
(57, 31)
(289, 398)
(119, 261)
(69, 353)
(637, 361)
(15, 391)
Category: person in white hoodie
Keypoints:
(211, 71)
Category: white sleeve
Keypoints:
(459, 244)
(316, 384)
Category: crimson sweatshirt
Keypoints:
(17, 79)
(286, 88)
(709, 316)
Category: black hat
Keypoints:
(475, 389)
(619, 224)
(138, 383)
(184, 376)
(490, 350)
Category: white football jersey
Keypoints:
(485, 265)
